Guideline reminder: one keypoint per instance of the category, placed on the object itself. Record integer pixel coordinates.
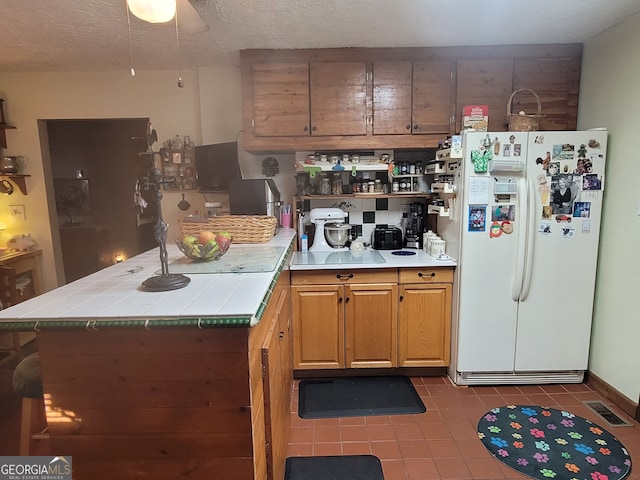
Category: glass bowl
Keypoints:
(203, 252)
(337, 234)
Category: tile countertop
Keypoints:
(112, 298)
(331, 261)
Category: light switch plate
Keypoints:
(18, 213)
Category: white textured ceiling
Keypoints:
(91, 35)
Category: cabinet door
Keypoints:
(318, 326)
(392, 98)
(424, 325)
(277, 367)
(338, 98)
(485, 82)
(280, 99)
(370, 325)
(433, 88)
(557, 83)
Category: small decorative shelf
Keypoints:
(3, 137)
(18, 179)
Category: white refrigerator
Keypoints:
(524, 226)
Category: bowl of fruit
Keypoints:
(205, 246)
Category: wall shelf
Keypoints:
(3, 133)
(18, 179)
(366, 195)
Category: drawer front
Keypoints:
(426, 275)
(347, 276)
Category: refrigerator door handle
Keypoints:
(523, 197)
(528, 266)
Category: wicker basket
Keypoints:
(524, 123)
(243, 228)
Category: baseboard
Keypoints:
(623, 402)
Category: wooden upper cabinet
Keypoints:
(556, 81)
(338, 98)
(392, 98)
(280, 99)
(432, 96)
(374, 98)
(485, 82)
(412, 97)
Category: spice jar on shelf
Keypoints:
(336, 184)
(325, 186)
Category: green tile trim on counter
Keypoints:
(148, 324)
(265, 300)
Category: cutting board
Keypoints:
(239, 259)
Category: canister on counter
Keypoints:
(438, 247)
(428, 236)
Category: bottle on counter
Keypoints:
(304, 243)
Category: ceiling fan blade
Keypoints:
(189, 19)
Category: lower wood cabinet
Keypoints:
(371, 319)
(344, 319)
(424, 317)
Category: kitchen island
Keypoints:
(191, 383)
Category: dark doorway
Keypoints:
(95, 166)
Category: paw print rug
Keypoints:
(546, 443)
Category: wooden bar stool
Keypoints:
(27, 382)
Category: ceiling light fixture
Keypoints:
(153, 11)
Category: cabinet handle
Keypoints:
(306, 128)
(432, 274)
(347, 300)
(344, 277)
(416, 127)
(408, 126)
(339, 299)
(313, 128)
(281, 335)
(401, 297)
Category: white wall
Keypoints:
(208, 108)
(31, 97)
(609, 98)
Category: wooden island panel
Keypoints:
(160, 403)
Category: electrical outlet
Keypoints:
(18, 213)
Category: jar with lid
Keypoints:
(395, 187)
(372, 187)
(325, 186)
(336, 184)
(377, 185)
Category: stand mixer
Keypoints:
(321, 217)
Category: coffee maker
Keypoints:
(414, 225)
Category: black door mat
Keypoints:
(348, 467)
(357, 397)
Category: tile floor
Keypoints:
(442, 443)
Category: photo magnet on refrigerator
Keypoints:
(477, 218)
